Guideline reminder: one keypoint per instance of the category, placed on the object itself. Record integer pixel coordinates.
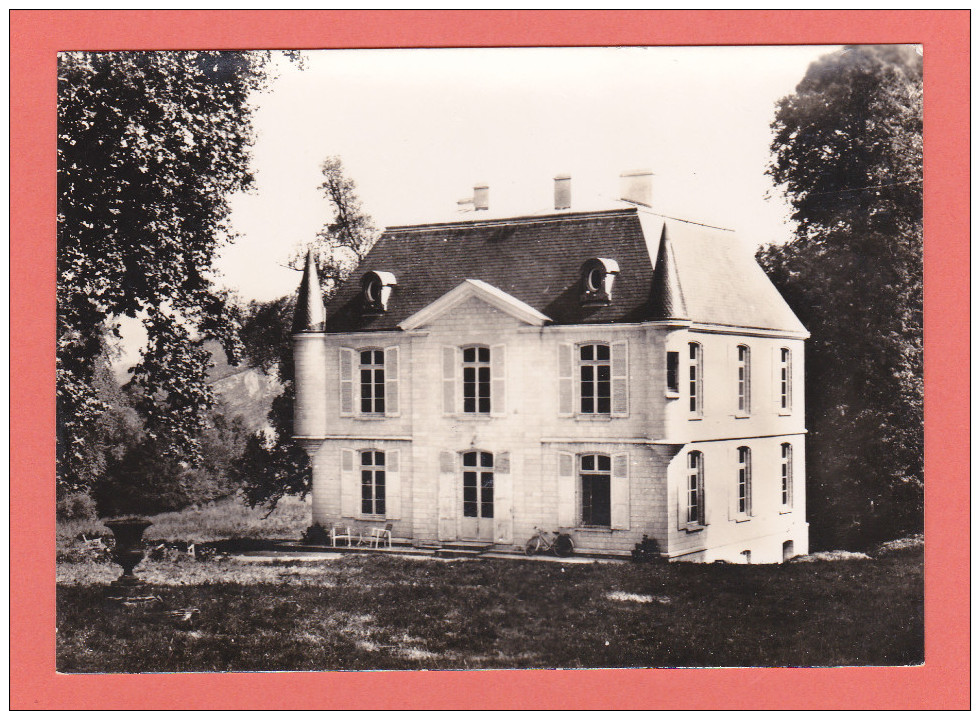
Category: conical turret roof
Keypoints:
(310, 314)
(667, 298)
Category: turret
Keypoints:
(310, 358)
(667, 298)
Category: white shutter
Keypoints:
(566, 393)
(619, 492)
(498, 380)
(566, 490)
(350, 486)
(447, 496)
(777, 399)
(503, 515)
(790, 475)
(620, 378)
(393, 483)
(731, 476)
(702, 501)
(448, 379)
(391, 381)
(346, 382)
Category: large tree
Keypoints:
(150, 146)
(275, 466)
(847, 151)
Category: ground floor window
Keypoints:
(373, 482)
(594, 472)
(695, 488)
(478, 484)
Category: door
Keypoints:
(477, 521)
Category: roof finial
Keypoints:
(667, 299)
(310, 315)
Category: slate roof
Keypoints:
(538, 260)
(309, 314)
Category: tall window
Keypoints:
(476, 379)
(744, 380)
(594, 473)
(673, 372)
(786, 477)
(695, 396)
(744, 481)
(785, 379)
(373, 482)
(478, 484)
(373, 382)
(695, 487)
(596, 392)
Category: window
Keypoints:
(372, 382)
(596, 392)
(376, 290)
(695, 488)
(786, 477)
(695, 396)
(744, 380)
(673, 372)
(744, 481)
(785, 379)
(598, 276)
(373, 482)
(594, 472)
(477, 484)
(476, 380)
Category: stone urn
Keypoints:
(128, 552)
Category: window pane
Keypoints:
(379, 458)
(588, 462)
(603, 373)
(469, 355)
(484, 375)
(587, 375)
(379, 357)
(602, 352)
(586, 352)
(365, 478)
(366, 458)
(672, 371)
(469, 459)
(694, 351)
(486, 459)
(484, 355)
(365, 357)
(603, 463)
(603, 405)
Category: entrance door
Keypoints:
(477, 521)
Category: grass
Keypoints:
(388, 612)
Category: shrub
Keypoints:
(647, 551)
(74, 506)
(317, 535)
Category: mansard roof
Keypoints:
(702, 274)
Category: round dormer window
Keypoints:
(596, 279)
(372, 290)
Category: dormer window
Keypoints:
(376, 290)
(598, 276)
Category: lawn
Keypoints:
(375, 611)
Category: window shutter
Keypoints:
(702, 502)
(350, 487)
(620, 378)
(447, 495)
(347, 382)
(566, 394)
(566, 490)
(448, 379)
(777, 354)
(498, 380)
(682, 503)
(502, 494)
(393, 483)
(731, 476)
(391, 381)
(619, 492)
(789, 478)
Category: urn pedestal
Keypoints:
(128, 552)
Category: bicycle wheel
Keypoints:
(563, 545)
(532, 546)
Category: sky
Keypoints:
(416, 129)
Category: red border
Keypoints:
(36, 36)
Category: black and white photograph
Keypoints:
(490, 358)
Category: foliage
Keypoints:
(847, 150)
(377, 611)
(647, 551)
(150, 146)
(273, 466)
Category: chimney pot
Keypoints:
(563, 192)
(636, 186)
(481, 197)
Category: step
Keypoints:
(458, 553)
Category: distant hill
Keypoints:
(243, 391)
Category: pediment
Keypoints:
(469, 289)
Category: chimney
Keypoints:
(563, 192)
(481, 197)
(464, 205)
(636, 186)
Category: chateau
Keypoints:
(616, 373)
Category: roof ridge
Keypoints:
(520, 219)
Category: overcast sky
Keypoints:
(416, 129)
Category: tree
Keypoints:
(275, 466)
(847, 151)
(150, 146)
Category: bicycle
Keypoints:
(558, 543)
